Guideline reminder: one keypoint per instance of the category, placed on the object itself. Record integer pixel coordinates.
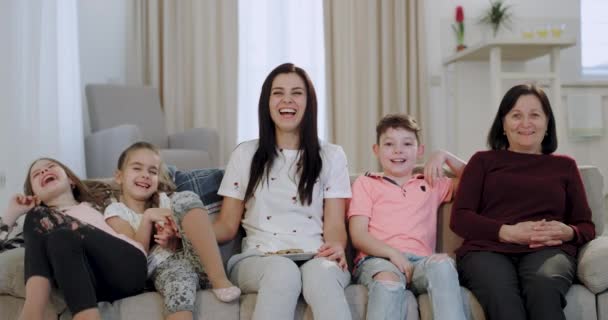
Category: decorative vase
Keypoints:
(459, 29)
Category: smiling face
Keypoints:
(138, 176)
(397, 152)
(48, 180)
(525, 125)
(287, 102)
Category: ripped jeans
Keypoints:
(87, 264)
(436, 276)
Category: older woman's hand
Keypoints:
(335, 252)
(551, 233)
(537, 233)
(520, 233)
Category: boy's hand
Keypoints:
(402, 264)
(433, 169)
(18, 205)
(335, 252)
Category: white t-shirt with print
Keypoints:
(274, 217)
(118, 209)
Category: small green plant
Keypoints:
(497, 15)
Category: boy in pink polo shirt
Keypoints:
(393, 223)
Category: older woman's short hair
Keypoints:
(497, 140)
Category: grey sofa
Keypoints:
(121, 115)
(587, 300)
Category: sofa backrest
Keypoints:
(447, 240)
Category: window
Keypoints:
(272, 32)
(594, 43)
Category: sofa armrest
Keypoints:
(205, 139)
(102, 148)
(594, 189)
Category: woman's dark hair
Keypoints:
(96, 193)
(497, 140)
(309, 162)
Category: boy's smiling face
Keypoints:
(397, 152)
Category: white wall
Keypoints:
(7, 102)
(468, 92)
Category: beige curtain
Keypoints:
(375, 65)
(188, 49)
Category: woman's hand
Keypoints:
(536, 234)
(551, 233)
(520, 233)
(18, 205)
(402, 264)
(335, 252)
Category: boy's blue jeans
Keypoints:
(438, 277)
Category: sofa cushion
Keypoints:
(10, 308)
(580, 303)
(593, 263)
(12, 279)
(150, 306)
(11, 272)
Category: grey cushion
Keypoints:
(112, 105)
(122, 115)
(186, 159)
(593, 265)
(149, 306)
(11, 272)
(11, 308)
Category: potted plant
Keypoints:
(458, 28)
(498, 15)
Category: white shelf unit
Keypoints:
(516, 49)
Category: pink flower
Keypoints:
(459, 14)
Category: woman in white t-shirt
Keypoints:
(288, 191)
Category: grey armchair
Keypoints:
(121, 115)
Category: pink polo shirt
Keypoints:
(404, 217)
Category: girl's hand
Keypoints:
(18, 205)
(335, 252)
(402, 264)
(166, 236)
(157, 215)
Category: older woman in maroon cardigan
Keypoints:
(523, 214)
